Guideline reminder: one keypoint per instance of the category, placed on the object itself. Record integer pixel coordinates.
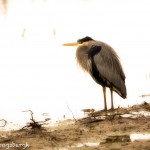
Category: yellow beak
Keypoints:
(71, 44)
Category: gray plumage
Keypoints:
(102, 63)
(110, 69)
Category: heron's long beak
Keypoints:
(71, 44)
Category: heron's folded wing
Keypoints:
(109, 68)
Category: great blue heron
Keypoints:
(102, 63)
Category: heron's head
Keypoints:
(79, 41)
(85, 39)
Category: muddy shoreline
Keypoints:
(95, 131)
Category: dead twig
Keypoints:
(71, 112)
(5, 122)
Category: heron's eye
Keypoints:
(79, 41)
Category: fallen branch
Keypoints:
(34, 124)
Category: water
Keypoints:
(139, 136)
(90, 144)
(38, 74)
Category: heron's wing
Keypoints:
(107, 70)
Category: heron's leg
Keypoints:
(112, 103)
(104, 93)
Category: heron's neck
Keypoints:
(82, 58)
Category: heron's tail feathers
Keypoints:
(121, 91)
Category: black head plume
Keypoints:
(85, 39)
